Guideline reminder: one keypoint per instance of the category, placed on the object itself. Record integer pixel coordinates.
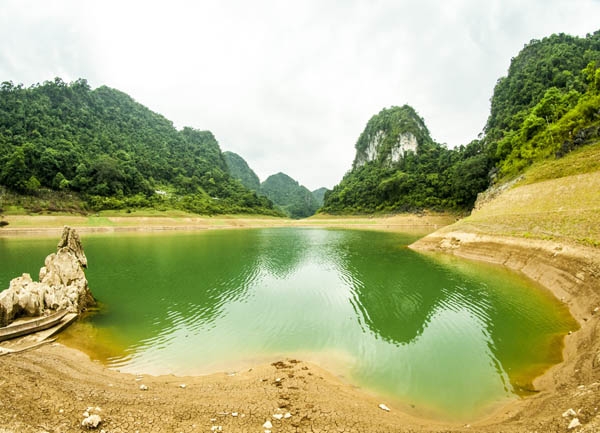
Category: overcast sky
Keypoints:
(287, 85)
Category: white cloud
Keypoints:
(289, 86)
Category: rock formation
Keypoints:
(62, 284)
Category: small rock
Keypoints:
(216, 428)
(278, 379)
(568, 413)
(91, 421)
(384, 407)
(574, 423)
(85, 414)
(182, 386)
(268, 425)
(61, 411)
(234, 414)
(278, 416)
(143, 387)
(287, 415)
(267, 431)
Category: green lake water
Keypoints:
(443, 337)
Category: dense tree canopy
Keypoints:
(112, 151)
(549, 80)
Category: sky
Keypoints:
(287, 85)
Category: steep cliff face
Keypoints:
(62, 284)
(390, 135)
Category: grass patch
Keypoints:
(583, 160)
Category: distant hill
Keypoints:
(102, 148)
(319, 195)
(239, 169)
(294, 199)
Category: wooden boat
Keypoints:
(31, 326)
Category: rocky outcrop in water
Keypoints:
(62, 284)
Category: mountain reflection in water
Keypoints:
(447, 336)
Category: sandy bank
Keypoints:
(52, 225)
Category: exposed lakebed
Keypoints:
(451, 338)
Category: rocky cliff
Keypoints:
(62, 284)
(389, 135)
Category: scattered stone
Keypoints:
(384, 407)
(143, 387)
(182, 386)
(234, 414)
(216, 428)
(568, 413)
(574, 423)
(268, 425)
(287, 415)
(267, 431)
(278, 416)
(91, 421)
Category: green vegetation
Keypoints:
(548, 103)
(432, 177)
(67, 146)
(239, 169)
(319, 195)
(294, 199)
(547, 106)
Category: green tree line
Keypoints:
(112, 152)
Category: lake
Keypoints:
(448, 338)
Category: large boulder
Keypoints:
(62, 284)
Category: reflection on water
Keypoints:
(451, 338)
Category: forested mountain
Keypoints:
(398, 167)
(548, 104)
(319, 195)
(293, 198)
(239, 169)
(112, 152)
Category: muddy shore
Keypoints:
(50, 388)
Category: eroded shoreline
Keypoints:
(55, 376)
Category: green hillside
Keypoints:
(548, 103)
(239, 169)
(319, 195)
(293, 198)
(68, 146)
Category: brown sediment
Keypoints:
(49, 389)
